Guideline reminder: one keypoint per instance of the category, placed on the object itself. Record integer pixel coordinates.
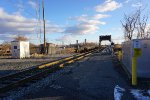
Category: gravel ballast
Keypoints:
(8, 66)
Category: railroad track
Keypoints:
(18, 79)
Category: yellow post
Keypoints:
(134, 74)
(119, 55)
(137, 53)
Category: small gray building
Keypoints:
(50, 48)
(143, 61)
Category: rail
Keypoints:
(11, 81)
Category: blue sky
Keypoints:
(66, 20)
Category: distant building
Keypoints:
(20, 49)
(34, 49)
(139, 49)
(50, 48)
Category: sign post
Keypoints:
(136, 53)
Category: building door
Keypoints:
(15, 52)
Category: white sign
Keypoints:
(136, 44)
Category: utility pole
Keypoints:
(44, 27)
(99, 43)
(77, 46)
(85, 41)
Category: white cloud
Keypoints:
(79, 18)
(138, 4)
(82, 28)
(108, 5)
(65, 38)
(100, 16)
(19, 6)
(52, 28)
(108, 0)
(86, 24)
(85, 18)
(17, 24)
(127, 1)
(7, 37)
(33, 4)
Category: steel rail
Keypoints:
(36, 67)
(17, 79)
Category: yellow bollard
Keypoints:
(134, 74)
(137, 53)
(119, 55)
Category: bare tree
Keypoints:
(5, 46)
(147, 35)
(141, 25)
(20, 38)
(136, 24)
(129, 25)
